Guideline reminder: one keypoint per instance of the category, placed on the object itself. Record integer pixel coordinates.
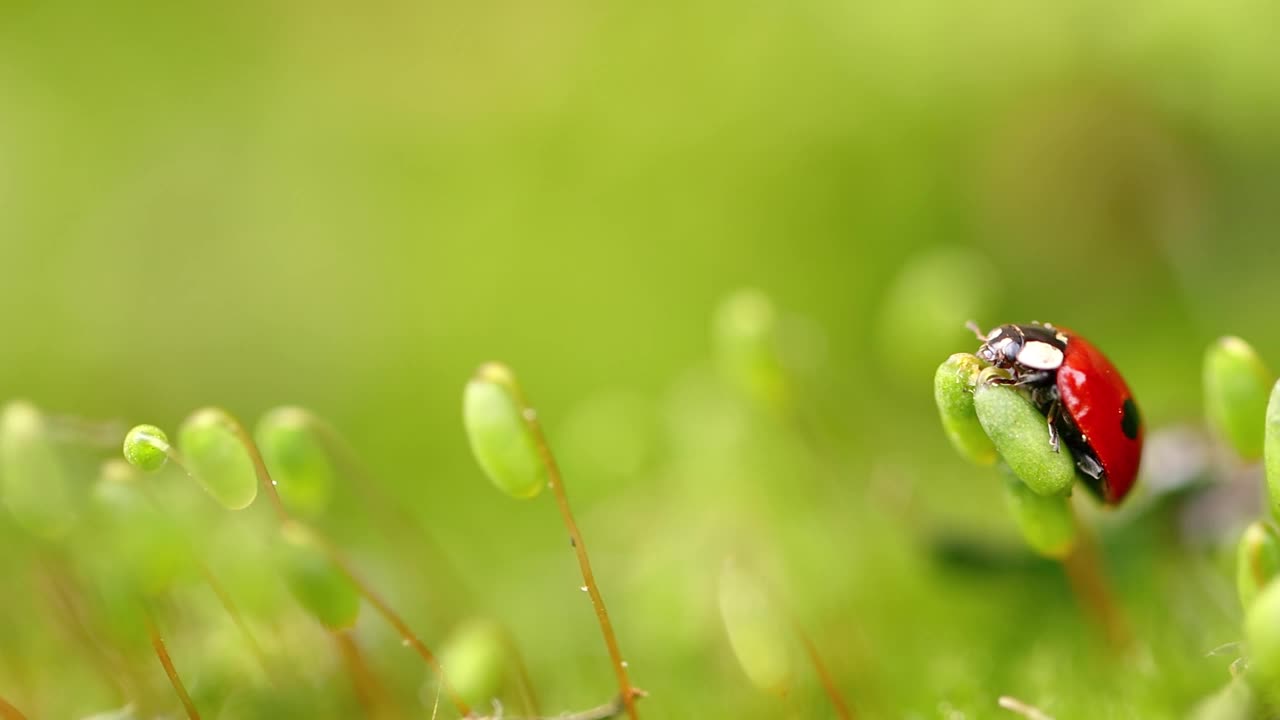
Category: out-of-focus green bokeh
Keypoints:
(349, 207)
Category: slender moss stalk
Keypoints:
(625, 690)
(66, 602)
(369, 693)
(1088, 581)
(9, 712)
(391, 514)
(157, 643)
(838, 703)
(233, 611)
(527, 694)
(394, 620)
(367, 592)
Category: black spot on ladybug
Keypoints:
(1129, 420)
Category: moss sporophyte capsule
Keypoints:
(503, 443)
(317, 583)
(298, 460)
(1236, 386)
(34, 482)
(756, 629)
(216, 454)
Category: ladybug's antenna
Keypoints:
(976, 330)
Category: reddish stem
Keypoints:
(368, 693)
(838, 702)
(163, 654)
(9, 712)
(626, 692)
(1083, 566)
(527, 694)
(392, 618)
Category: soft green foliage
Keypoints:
(1021, 435)
(1262, 633)
(319, 586)
(756, 628)
(953, 387)
(1257, 561)
(748, 347)
(474, 660)
(1046, 522)
(347, 206)
(926, 307)
(1272, 450)
(298, 460)
(33, 477)
(1236, 701)
(1236, 387)
(146, 447)
(217, 457)
(144, 543)
(493, 412)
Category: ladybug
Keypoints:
(1085, 400)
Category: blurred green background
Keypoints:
(349, 207)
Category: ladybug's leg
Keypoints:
(1054, 407)
(1039, 378)
(1088, 465)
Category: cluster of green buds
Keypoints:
(216, 451)
(507, 440)
(988, 421)
(1242, 406)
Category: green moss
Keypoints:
(1236, 387)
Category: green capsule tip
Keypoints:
(146, 447)
(755, 629)
(953, 386)
(496, 419)
(1236, 387)
(1257, 561)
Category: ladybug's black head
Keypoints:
(1001, 346)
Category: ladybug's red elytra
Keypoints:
(1084, 398)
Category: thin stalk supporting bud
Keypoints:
(508, 442)
(9, 712)
(220, 454)
(162, 653)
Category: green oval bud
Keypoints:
(474, 660)
(1021, 436)
(1045, 521)
(1236, 385)
(146, 447)
(1235, 701)
(953, 386)
(746, 336)
(146, 546)
(493, 411)
(215, 454)
(298, 460)
(1262, 633)
(317, 584)
(33, 477)
(755, 630)
(1257, 561)
(1272, 450)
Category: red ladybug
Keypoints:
(1064, 371)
